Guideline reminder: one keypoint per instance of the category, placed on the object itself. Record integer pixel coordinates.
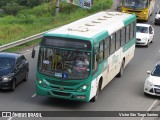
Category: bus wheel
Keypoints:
(97, 92)
(121, 70)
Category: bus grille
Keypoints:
(61, 93)
(59, 83)
(62, 88)
(134, 11)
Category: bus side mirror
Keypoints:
(33, 52)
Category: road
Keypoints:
(121, 94)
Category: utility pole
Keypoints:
(57, 7)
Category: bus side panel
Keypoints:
(94, 85)
(114, 64)
(128, 51)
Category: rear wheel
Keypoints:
(121, 70)
(97, 93)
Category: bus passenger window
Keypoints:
(101, 52)
(95, 63)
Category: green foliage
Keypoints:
(31, 3)
(4, 2)
(12, 8)
(28, 22)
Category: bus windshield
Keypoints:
(64, 64)
(135, 4)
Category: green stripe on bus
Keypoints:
(129, 44)
(100, 36)
(67, 36)
(129, 19)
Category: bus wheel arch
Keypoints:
(99, 86)
(121, 68)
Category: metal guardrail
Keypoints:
(22, 41)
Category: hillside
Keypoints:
(33, 20)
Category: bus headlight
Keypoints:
(42, 83)
(144, 13)
(83, 88)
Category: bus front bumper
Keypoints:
(78, 96)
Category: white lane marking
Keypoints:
(34, 95)
(150, 107)
(9, 118)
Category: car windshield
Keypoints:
(156, 71)
(135, 4)
(7, 63)
(141, 29)
(64, 64)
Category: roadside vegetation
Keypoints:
(30, 20)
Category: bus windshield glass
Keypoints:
(64, 64)
(135, 4)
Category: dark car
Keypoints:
(14, 68)
(157, 18)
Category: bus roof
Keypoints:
(91, 26)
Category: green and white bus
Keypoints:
(76, 61)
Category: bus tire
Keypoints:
(121, 70)
(97, 93)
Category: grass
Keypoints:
(41, 18)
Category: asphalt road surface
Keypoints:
(121, 94)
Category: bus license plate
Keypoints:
(58, 74)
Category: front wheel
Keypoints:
(26, 76)
(97, 93)
(147, 44)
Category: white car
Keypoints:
(157, 18)
(144, 34)
(152, 83)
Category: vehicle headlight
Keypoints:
(149, 83)
(42, 83)
(144, 13)
(144, 39)
(6, 79)
(83, 88)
